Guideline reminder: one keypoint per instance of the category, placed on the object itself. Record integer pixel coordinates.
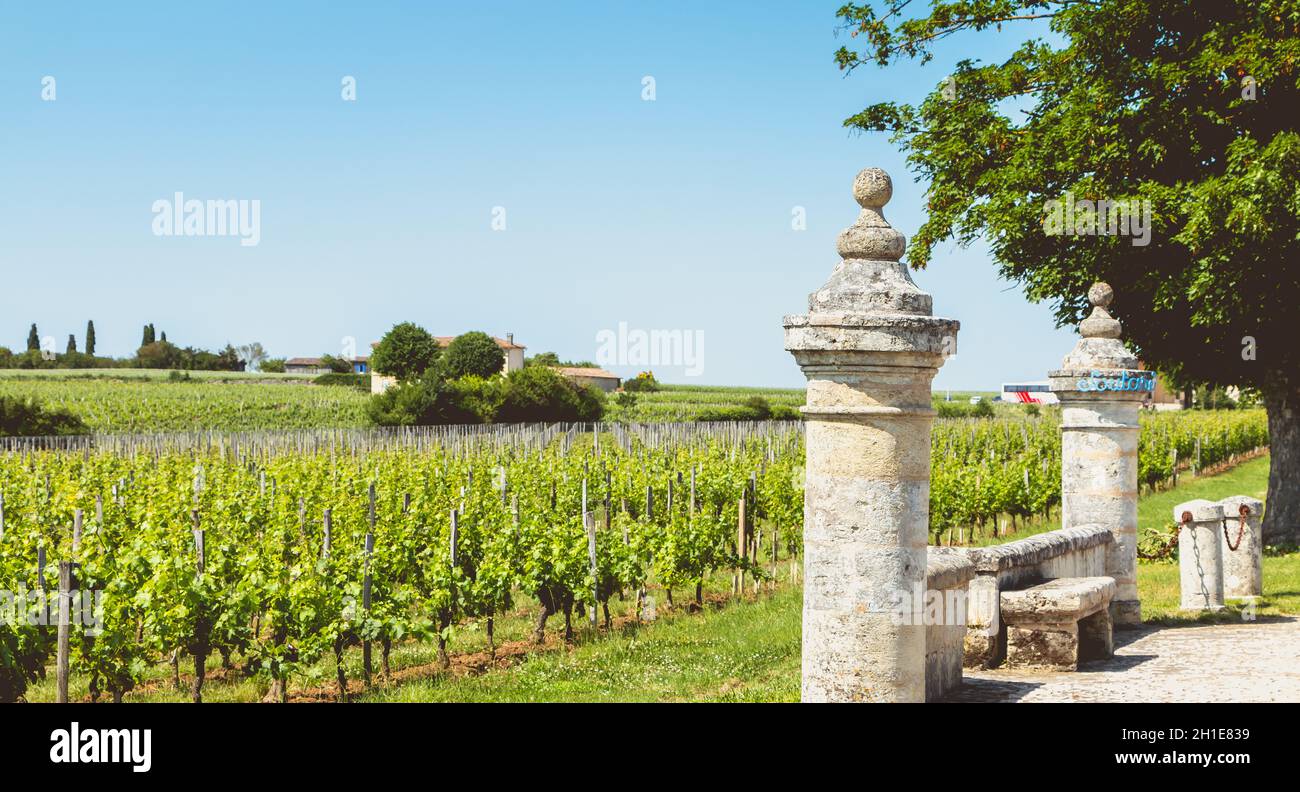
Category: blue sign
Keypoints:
(1121, 381)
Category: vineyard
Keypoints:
(139, 405)
(285, 550)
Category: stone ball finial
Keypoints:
(1101, 294)
(871, 237)
(872, 188)
(1100, 324)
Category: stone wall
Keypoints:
(1067, 552)
(948, 574)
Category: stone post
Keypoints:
(869, 347)
(1200, 554)
(1243, 568)
(1100, 389)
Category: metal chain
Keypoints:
(1241, 527)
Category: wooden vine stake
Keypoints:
(589, 521)
(66, 583)
(202, 629)
(365, 586)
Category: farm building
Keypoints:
(514, 354)
(591, 376)
(314, 365)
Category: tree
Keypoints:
(160, 355)
(149, 336)
(272, 366)
(90, 338)
(540, 393)
(72, 345)
(337, 365)
(253, 355)
(33, 339)
(28, 417)
(1185, 109)
(543, 359)
(405, 352)
(473, 354)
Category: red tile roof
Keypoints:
(596, 373)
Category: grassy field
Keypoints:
(148, 375)
(731, 651)
(129, 401)
(144, 405)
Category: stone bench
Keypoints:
(1063, 553)
(1058, 623)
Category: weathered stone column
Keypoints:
(1243, 567)
(869, 347)
(1100, 390)
(1200, 554)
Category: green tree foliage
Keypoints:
(420, 402)
(1190, 106)
(643, 382)
(72, 345)
(543, 359)
(337, 365)
(473, 354)
(29, 418)
(159, 355)
(539, 393)
(272, 366)
(405, 352)
(90, 337)
(478, 399)
(149, 336)
(33, 339)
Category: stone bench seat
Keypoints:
(1058, 623)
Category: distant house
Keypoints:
(514, 360)
(591, 376)
(304, 365)
(314, 365)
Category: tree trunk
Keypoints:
(492, 644)
(444, 621)
(1282, 514)
(338, 666)
(200, 671)
(539, 631)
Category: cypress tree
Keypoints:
(33, 339)
(72, 344)
(90, 337)
(149, 337)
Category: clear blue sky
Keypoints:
(671, 214)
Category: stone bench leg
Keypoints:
(1096, 636)
(984, 641)
(1054, 646)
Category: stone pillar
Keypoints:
(869, 347)
(1200, 554)
(1243, 568)
(1101, 388)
